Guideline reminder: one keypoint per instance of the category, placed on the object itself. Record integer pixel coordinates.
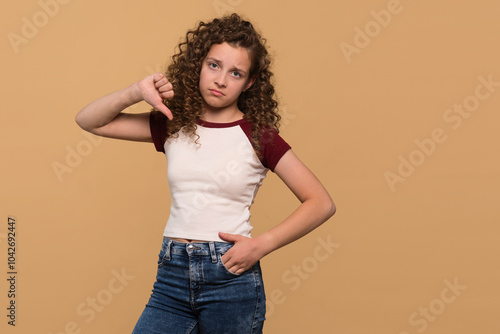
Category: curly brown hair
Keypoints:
(257, 103)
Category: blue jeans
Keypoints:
(195, 293)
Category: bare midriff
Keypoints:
(187, 240)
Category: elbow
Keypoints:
(325, 208)
(80, 120)
(330, 208)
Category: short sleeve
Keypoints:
(273, 147)
(158, 127)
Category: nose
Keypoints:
(220, 80)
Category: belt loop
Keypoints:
(167, 253)
(212, 251)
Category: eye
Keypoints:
(237, 74)
(212, 65)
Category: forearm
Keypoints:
(308, 216)
(103, 110)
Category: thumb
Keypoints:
(163, 109)
(229, 237)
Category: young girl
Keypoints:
(216, 120)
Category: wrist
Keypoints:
(265, 244)
(132, 94)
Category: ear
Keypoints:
(249, 83)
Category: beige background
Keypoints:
(352, 116)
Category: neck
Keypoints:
(223, 115)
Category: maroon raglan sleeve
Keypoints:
(273, 147)
(158, 127)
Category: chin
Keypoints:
(215, 104)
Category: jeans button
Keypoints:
(190, 247)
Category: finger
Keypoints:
(231, 267)
(163, 109)
(226, 257)
(155, 77)
(161, 82)
(229, 237)
(165, 87)
(167, 95)
(168, 113)
(236, 269)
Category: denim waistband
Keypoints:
(211, 248)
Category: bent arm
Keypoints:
(316, 204)
(315, 209)
(104, 116)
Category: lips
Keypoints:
(216, 92)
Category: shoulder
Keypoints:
(272, 145)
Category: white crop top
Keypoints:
(213, 182)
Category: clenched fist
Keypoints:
(154, 89)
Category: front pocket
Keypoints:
(162, 257)
(219, 259)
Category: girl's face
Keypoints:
(224, 75)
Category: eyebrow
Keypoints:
(220, 62)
